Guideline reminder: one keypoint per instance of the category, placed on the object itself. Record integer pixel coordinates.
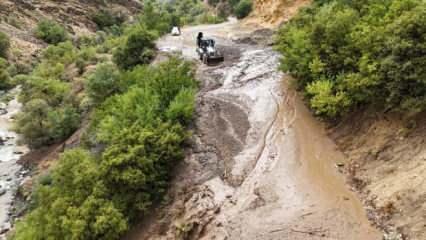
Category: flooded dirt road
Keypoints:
(261, 166)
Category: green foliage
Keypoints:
(50, 113)
(135, 136)
(4, 45)
(243, 8)
(5, 81)
(138, 164)
(182, 107)
(180, 12)
(51, 32)
(369, 53)
(138, 48)
(73, 206)
(140, 128)
(324, 100)
(40, 124)
(102, 83)
(53, 91)
(105, 19)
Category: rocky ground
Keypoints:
(261, 167)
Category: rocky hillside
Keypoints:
(18, 18)
(274, 12)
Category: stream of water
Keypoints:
(11, 173)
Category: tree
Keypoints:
(243, 8)
(103, 82)
(51, 32)
(74, 205)
(5, 81)
(138, 48)
(32, 123)
(138, 164)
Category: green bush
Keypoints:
(41, 125)
(105, 19)
(138, 164)
(137, 49)
(346, 54)
(4, 45)
(102, 83)
(243, 8)
(5, 81)
(53, 91)
(74, 205)
(51, 32)
(98, 196)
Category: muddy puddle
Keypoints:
(261, 166)
(11, 173)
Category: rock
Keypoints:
(18, 152)
(5, 228)
(2, 191)
(340, 164)
(2, 141)
(26, 187)
(393, 236)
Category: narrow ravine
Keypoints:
(11, 173)
(262, 166)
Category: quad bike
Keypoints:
(208, 52)
(175, 31)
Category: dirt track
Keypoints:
(261, 166)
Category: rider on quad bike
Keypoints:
(207, 51)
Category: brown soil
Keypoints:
(388, 167)
(272, 13)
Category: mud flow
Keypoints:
(261, 167)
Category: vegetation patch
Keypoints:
(138, 116)
(51, 32)
(349, 54)
(4, 45)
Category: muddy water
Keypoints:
(10, 151)
(263, 167)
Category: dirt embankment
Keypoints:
(18, 18)
(271, 13)
(388, 167)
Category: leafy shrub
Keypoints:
(5, 81)
(53, 91)
(85, 57)
(63, 52)
(243, 8)
(51, 32)
(105, 19)
(4, 44)
(40, 124)
(347, 54)
(73, 206)
(140, 159)
(182, 107)
(97, 197)
(138, 48)
(102, 83)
